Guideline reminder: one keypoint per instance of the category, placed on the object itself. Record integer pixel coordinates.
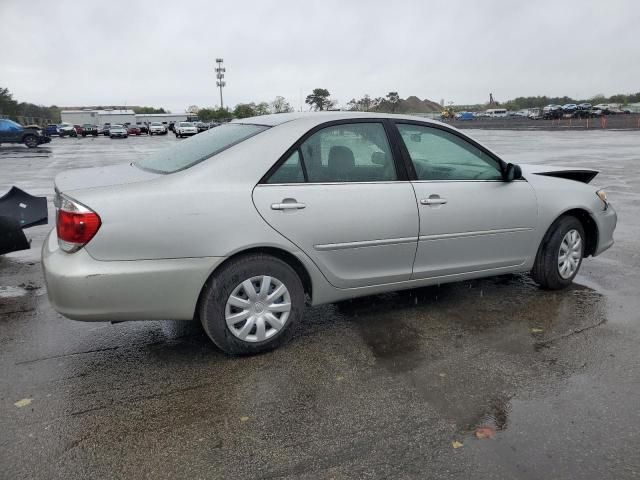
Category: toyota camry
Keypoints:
(244, 224)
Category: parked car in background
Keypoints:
(201, 126)
(463, 116)
(105, 129)
(552, 112)
(79, 130)
(89, 129)
(584, 106)
(51, 129)
(144, 128)
(118, 131)
(157, 128)
(185, 129)
(309, 208)
(569, 107)
(133, 130)
(496, 112)
(534, 114)
(172, 127)
(67, 130)
(13, 132)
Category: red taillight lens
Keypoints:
(76, 224)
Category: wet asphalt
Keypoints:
(379, 387)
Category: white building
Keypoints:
(98, 117)
(114, 117)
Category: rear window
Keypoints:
(198, 148)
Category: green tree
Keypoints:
(319, 99)
(394, 100)
(8, 106)
(244, 110)
(208, 114)
(262, 109)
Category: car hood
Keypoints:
(84, 178)
(584, 175)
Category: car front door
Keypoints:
(340, 194)
(471, 220)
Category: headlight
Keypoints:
(602, 195)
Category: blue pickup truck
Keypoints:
(12, 132)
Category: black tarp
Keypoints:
(19, 210)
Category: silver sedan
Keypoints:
(242, 225)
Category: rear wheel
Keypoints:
(251, 304)
(560, 254)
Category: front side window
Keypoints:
(198, 148)
(440, 155)
(356, 152)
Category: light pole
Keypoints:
(220, 78)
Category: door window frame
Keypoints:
(391, 131)
(408, 163)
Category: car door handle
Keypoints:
(433, 201)
(287, 206)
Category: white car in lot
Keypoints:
(185, 129)
(157, 128)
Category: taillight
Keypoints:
(76, 224)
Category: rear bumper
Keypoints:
(82, 288)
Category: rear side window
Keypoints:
(353, 152)
(289, 172)
(199, 148)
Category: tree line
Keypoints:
(318, 100)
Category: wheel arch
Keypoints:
(287, 257)
(588, 224)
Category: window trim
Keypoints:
(396, 154)
(409, 163)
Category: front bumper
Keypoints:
(83, 288)
(606, 221)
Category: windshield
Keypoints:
(185, 124)
(198, 148)
(156, 124)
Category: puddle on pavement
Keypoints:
(12, 292)
(467, 349)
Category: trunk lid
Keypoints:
(84, 178)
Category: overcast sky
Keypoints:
(161, 53)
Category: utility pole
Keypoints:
(220, 78)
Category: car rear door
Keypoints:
(341, 195)
(471, 220)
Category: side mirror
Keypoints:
(513, 172)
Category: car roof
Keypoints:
(322, 117)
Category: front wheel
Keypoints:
(31, 141)
(252, 304)
(560, 254)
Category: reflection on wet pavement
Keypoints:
(377, 387)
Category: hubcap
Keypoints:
(258, 308)
(570, 254)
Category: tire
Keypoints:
(547, 267)
(213, 308)
(30, 141)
